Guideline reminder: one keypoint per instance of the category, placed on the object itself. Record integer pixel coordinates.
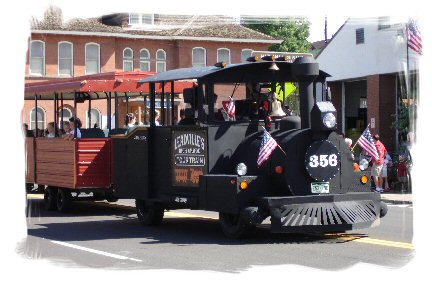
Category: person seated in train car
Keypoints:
(189, 118)
(130, 120)
(157, 117)
(40, 132)
(276, 108)
(50, 131)
(66, 128)
(26, 131)
(71, 134)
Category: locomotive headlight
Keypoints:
(329, 120)
(241, 169)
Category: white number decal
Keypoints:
(333, 160)
(323, 161)
(313, 161)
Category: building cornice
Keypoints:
(154, 37)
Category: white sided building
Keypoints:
(367, 59)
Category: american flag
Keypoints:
(229, 107)
(414, 40)
(268, 145)
(367, 143)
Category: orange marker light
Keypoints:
(279, 170)
(243, 185)
(364, 179)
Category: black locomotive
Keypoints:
(306, 185)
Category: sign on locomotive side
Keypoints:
(189, 152)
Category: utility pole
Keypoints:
(325, 29)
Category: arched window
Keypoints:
(92, 58)
(245, 54)
(65, 59)
(223, 54)
(198, 57)
(67, 114)
(144, 60)
(127, 59)
(95, 118)
(160, 60)
(40, 118)
(37, 58)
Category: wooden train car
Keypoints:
(65, 170)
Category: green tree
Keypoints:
(294, 32)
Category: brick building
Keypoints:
(130, 42)
(369, 77)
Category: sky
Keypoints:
(334, 21)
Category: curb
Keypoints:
(396, 202)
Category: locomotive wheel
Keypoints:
(50, 198)
(234, 226)
(149, 214)
(64, 200)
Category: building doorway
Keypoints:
(355, 108)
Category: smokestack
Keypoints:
(306, 70)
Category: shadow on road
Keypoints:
(174, 239)
(123, 224)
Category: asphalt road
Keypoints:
(109, 236)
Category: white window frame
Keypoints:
(44, 118)
(205, 56)
(99, 56)
(71, 59)
(59, 113)
(88, 124)
(140, 17)
(243, 50)
(158, 61)
(145, 60)
(128, 60)
(229, 54)
(43, 59)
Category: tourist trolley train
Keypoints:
(306, 185)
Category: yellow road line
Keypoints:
(350, 238)
(35, 196)
(185, 215)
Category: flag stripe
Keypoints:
(367, 143)
(268, 144)
(414, 40)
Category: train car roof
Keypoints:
(233, 73)
(96, 86)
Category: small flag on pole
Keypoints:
(367, 143)
(414, 39)
(268, 145)
(229, 107)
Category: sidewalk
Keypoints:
(394, 197)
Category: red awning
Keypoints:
(97, 85)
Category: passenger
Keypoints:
(71, 134)
(157, 116)
(130, 120)
(51, 133)
(189, 117)
(276, 107)
(66, 127)
(182, 114)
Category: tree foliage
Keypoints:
(293, 32)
